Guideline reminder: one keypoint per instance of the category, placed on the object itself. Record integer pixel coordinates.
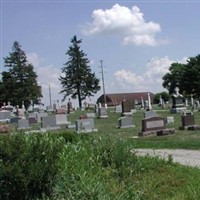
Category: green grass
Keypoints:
(98, 166)
(181, 139)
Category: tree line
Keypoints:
(19, 83)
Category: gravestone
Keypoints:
(91, 115)
(177, 102)
(49, 121)
(32, 120)
(5, 115)
(149, 106)
(61, 119)
(23, 124)
(14, 120)
(102, 113)
(118, 108)
(142, 103)
(188, 121)
(85, 125)
(128, 107)
(169, 120)
(38, 116)
(55, 121)
(150, 113)
(125, 122)
(61, 111)
(83, 117)
(155, 126)
(49, 108)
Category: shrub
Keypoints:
(29, 164)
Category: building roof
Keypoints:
(117, 98)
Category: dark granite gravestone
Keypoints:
(188, 122)
(32, 120)
(177, 102)
(127, 107)
(153, 123)
(155, 126)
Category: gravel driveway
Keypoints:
(182, 156)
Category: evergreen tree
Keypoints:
(19, 83)
(77, 80)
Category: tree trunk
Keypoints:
(79, 99)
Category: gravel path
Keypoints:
(182, 156)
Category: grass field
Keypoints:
(181, 139)
(97, 166)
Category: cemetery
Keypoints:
(142, 119)
(102, 143)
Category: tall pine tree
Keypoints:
(77, 80)
(19, 83)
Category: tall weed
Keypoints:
(28, 164)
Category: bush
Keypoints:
(29, 164)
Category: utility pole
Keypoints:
(50, 96)
(102, 73)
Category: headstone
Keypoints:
(151, 113)
(83, 117)
(128, 108)
(151, 125)
(22, 124)
(49, 109)
(85, 125)
(38, 116)
(177, 102)
(102, 112)
(61, 119)
(14, 120)
(118, 108)
(125, 122)
(142, 103)
(49, 121)
(187, 120)
(149, 102)
(169, 120)
(5, 115)
(91, 115)
(32, 120)
(8, 107)
(20, 113)
(61, 111)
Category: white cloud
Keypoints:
(151, 80)
(129, 23)
(47, 76)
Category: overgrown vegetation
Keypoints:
(68, 166)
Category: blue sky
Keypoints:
(137, 40)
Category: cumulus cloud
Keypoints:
(47, 76)
(151, 80)
(129, 23)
